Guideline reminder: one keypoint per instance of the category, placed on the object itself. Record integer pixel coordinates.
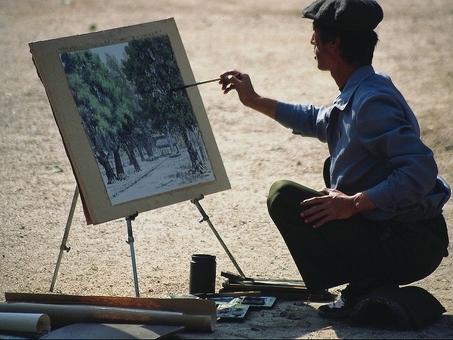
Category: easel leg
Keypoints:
(63, 246)
(205, 217)
(130, 241)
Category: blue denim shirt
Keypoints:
(374, 143)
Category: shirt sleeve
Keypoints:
(304, 119)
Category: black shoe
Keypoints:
(344, 306)
(350, 297)
(340, 309)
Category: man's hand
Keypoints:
(335, 205)
(235, 80)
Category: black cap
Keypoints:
(350, 15)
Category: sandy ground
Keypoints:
(266, 39)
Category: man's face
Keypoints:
(321, 50)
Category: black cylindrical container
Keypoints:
(202, 274)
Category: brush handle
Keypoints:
(195, 84)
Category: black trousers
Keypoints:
(355, 250)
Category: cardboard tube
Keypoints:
(63, 315)
(24, 322)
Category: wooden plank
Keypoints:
(186, 306)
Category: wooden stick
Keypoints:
(186, 306)
(194, 314)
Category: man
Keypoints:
(379, 222)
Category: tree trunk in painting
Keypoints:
(197, 166)
(104, 161)
(132, 157)
(120, 174)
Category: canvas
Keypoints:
(137, 139)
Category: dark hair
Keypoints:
(355, 47)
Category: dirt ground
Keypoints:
(270, 41)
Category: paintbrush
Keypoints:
(190, 85)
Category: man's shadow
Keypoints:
(409, 312)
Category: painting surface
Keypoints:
(144, 136)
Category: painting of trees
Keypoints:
(129, 114)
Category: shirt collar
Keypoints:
(352, 84)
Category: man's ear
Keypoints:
(334, 46)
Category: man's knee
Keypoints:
(287, 195)
(277, 189)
